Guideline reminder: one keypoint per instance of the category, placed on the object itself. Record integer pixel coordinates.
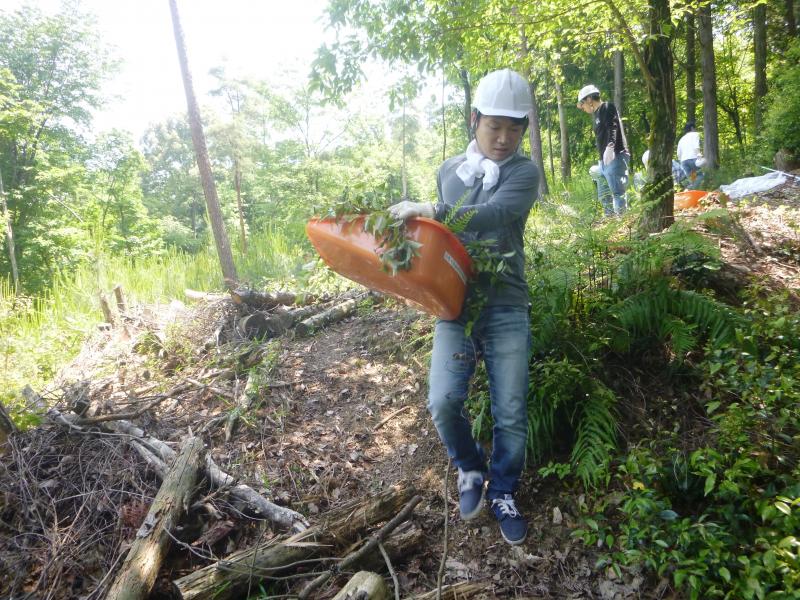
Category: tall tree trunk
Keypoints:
(663, 113)
(12, 255)
(201, 153)
(691, 69)
(535, 137)
(403, 177)
(619, 77)
(760, 62)
(708, 65)
(549, 122)
(467, 87)
(237, 180)
(534, 126)
(791, 22)
(444, 117)
(566, 166)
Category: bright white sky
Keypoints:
(256, 38)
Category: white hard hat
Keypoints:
(587, 90)
(594, 171)
(503, 93)
(701, 160)
(645, 157)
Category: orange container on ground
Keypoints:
(437, 280)
(689, 198)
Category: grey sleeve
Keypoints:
(512, 200)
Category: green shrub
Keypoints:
(782, 123)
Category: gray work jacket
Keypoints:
(500, 215)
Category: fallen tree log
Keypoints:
(243, 496)
(138, 573)
(404, 542)
(326, 317)
(458, 591)
(365, 586)
(355, 557)
(239, 572)
(204, 296)
(265, 300)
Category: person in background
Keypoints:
(678, 175)
(612, 146)
(690, 157)
(493, 188)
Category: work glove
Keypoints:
(407, 209)
(608, 155)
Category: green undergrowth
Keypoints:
(671, 402)
(40, 335)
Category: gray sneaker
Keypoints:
(470, 493)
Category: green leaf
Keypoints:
(710, 481)
(784, 508)
(725, 574)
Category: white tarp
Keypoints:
(752, 185)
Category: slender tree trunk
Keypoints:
(619, 78)
(237, 180)
(691, 69)
(467, 87)
(12, 255)
(534, 126)
(760, 62)
(566, 167)
(535, 136)
(550, 143)
(444, 119)
(661, 92)
(404, 182)
(203, 163)
(708, 65)
(791, 21)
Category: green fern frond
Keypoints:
(670, 314)
(458, 224)
(679, 334)
(596, 432)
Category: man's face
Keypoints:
(498, 137)
(586, 105)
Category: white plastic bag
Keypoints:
(752, 185)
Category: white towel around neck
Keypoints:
(476, 165)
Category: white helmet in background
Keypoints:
(645, 157)
(701, 161)
(594, 171)
(503, 93)
(587, 90)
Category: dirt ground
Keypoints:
(341, 416)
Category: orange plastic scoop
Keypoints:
(435, 283)
(689, 198)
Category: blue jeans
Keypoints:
(501, 336)
(616, 185)
(694, 175)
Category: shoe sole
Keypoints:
(515, 542)
(478, 507)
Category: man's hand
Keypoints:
(608, 155)
(406, 209)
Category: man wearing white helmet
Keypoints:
(493, 188)
(612, 147)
